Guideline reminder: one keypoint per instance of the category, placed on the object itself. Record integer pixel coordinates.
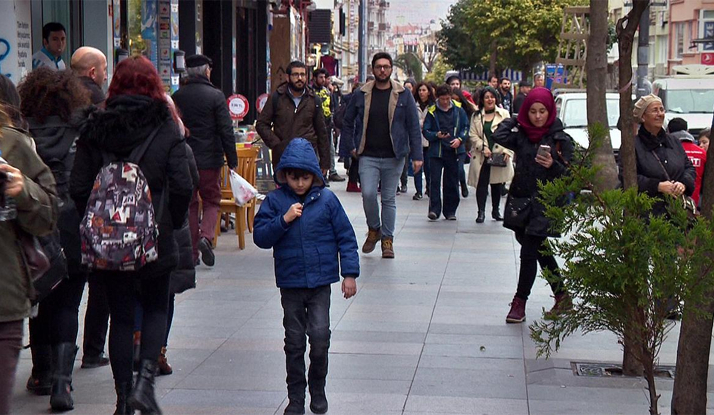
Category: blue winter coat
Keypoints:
(431, 127)
(403, 122)
(309, 251)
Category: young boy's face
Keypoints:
(300, 183)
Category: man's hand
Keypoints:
(455, 143)
(349, 287)
(293, 213)
(416, 165)
(442, 135)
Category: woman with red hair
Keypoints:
(136, 106)
(543, 152)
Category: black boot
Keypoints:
(123, 390)
(64, 354)
(481, 217)
(295, 407)
(496, 215)
(318, 400)
(40, 381)
(143, 397)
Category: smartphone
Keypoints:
(543, 150)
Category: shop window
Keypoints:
(679, 39)
(141, 16)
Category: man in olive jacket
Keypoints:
(205, 115)
(294, 111)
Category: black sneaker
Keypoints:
(432, 216)
(204, 245)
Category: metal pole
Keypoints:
(362, 39)
(644, 86)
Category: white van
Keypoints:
(688, 97)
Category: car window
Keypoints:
(689, 101)
(575, 114)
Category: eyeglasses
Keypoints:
(298, 75)
(383, 67)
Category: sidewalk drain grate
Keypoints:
(594, 369)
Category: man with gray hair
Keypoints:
(205, 115)
(90, 65)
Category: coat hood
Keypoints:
(53, 137)
(682, 136)
(125, 123)
(299, 154)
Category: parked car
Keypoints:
(572, 111)
(687, 97)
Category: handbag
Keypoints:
(45, 261)
(517, 212)
(497, 160)
(687, 202)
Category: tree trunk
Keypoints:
(596, 65)
(689, 395)
(626, 28)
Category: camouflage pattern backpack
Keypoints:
(119, 230)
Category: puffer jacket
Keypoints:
(124, 125)
(37, 211)
(309, 251)
(281, 121)
(56, 142)
(205, 114)
(529, 173)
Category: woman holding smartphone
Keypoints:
(543, 152)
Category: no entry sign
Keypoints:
(238, 106)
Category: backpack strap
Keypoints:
(138, 153)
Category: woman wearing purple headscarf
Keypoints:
(543, 151)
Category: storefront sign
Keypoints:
(260, 102)
(707, 58)
(238, 106)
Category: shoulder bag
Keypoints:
(687, 202)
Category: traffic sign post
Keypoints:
(238, 106)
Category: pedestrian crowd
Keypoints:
(122, 191)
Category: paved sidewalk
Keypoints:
(425, 334)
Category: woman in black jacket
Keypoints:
(536, 128)
(136, 106)
(49, 98)
(663, 167)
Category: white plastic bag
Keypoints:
(243, 192)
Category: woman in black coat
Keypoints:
(663, 167)
(135, 107)
(49, 99)
(536, 126)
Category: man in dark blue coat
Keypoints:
(381, 127)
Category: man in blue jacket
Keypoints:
(311, 237)
(381, 127)
(446, 126)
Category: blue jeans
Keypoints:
(306, 311)
(418, 183)
(449, 164)
(372, 171)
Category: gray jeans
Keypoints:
(372, 171)
(10, 345)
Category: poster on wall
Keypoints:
(116, 23)
(148, 29)
(15, 39)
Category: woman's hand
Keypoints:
(675, 189)
(487, 152)
(506, 157)
(15, 181)
(544, 160)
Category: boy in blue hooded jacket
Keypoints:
(312, 238)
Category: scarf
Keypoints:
(545, 97)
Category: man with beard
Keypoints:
(504, 89)
(294, 111)
(381, 127)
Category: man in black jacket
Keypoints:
(205, 114)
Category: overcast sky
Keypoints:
(418, 11)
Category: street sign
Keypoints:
(260, 102)
(238, 106)
(707, 58)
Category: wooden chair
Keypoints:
(245, 214)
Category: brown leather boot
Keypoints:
(517, 314)
(387, 247)
(372, 237)
(164, 366)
